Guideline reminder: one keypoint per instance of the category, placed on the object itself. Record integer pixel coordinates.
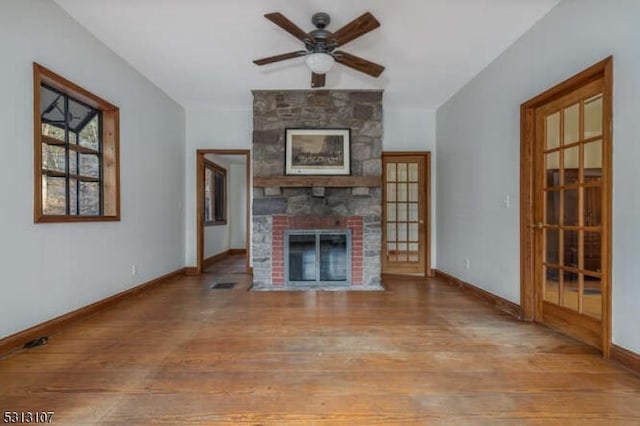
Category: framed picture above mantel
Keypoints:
(317, 152)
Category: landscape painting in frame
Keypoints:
(317, 152)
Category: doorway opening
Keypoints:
(223, 207)
(565, 222)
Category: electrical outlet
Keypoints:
(467, 263)
(134, 269)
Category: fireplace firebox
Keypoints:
(317, 257)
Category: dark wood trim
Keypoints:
(626, 358)
(317, 181)
(531, 307)
(15, 341)
(237, 251)
(496, 301)
(200, 153)
(110, 148)
(191, 271)
(216, 168)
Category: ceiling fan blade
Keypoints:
(277, 58)
(355, 29)
(358, 63)
(283, 22)
(317, 80)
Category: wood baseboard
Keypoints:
(626, 358)
(191, 271)
(16, 341)
(237, 251)
(215, 258)
(498, 302)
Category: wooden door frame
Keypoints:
(604, 70)
(200, 158)
(428, 272)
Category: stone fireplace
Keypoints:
(349, 205)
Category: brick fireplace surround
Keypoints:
(306, 207)
(282, 223)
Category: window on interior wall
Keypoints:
(215, 194)
(76, 136)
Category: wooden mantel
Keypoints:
(318, 181)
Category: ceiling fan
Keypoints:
(321, 45)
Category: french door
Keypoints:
(405, 245)
(570, 218)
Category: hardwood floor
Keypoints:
(421, 352)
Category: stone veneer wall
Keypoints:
(273, 112)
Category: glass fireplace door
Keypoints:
(318, 257)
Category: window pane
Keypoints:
(89, 165)
(553, 130)
(53, 195)
(592, 296)
(53, 158)
(391, 172)
(73, 197)
(53, 131)
(592, 251)
(391, 212)
(553, 207)
(52, 110)
(413, 172)
(89, 198)
(208, 200)
(552, 161)
(592, 206)
(571, 124)
(551, 285)
(570, 207)
(402, 172)
(219, 197)
(570, 290)
(571, 250)
(593, 117)
(593, 155)
(90, 134)
(571, 161)
(552, 244)
(402, 212)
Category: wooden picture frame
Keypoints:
(317, 151)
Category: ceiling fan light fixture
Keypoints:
(319, 63)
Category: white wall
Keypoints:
(51, 269)
(237, 206)
(478, 138)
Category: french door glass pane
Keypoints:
(391, 172)
(571, 124)
(553, 130)
(571, 165)
(570, 292)
(593, 117)
(552, 164)
(551, 285)
(592, 296)
(593, 155)
(570, 198)
(552, 244)
(571, 249)
(552, 207)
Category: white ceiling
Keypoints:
(200, 52)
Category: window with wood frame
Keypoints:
(215, 194)
(76, 161)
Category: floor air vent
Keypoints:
(222, 286)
